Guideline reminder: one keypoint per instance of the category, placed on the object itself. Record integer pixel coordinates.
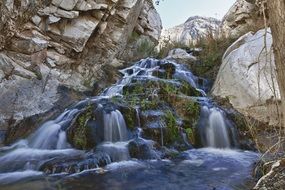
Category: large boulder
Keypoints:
(242, 17)
(247, 76)
(47, 46)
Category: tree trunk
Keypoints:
(276, 11)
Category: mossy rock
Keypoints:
(172, 132)
(166, 71)
(78, 131)
(169, 69)
(130, 117)
(188, 90)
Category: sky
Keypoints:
(175, 12)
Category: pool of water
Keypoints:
(197, 169)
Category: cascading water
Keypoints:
(217, 132)
(48, 150)
(115, 128)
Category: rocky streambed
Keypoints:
(154, 129)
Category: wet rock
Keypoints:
(142, 149)
(89, 127)
(21, 125)
(76, 164)
(87, 130)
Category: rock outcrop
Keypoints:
(247, 77)
(243, 16)
(48, 46)
(190, 31)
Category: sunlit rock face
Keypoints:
(247, 76)
(190, 31)
(243, 16)
(47, 47)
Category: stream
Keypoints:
(49, 159)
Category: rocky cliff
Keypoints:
(243, 16)
(51, 47)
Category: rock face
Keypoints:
(242, 17)
(145, 35)
(247, 76)
(63, 44)
(190, 31)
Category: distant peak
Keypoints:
(211, 19)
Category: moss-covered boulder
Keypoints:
(80, 133)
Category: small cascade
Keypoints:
(213, 128)
(117, 151)
(50, 135)
(138, 117)
(217, 132)
(115, 128)
(62, 140)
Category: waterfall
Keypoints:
(217, 132)
(50, 135)
(214, 131)
(138, 117)
(48, 144)
(115, 128)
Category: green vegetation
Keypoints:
(211, 57)
(80, 133)
(192, 109)
(129, 114)
(145, 48)
(190, 135)
(188, 90)
(164, 50)
(213, 47)
(172, 133)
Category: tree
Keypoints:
(276, 11)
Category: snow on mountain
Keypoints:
(190, 31)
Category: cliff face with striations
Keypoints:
(52, 50)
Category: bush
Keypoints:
(213, 49)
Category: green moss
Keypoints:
(192, 109)
(134, 89)
(190, 134)
(188, 90)
(172, 133)
(169, 70)
(80, 133)
(129, 116)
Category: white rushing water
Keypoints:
(215, 132)
(49, 142)
(115, 128)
